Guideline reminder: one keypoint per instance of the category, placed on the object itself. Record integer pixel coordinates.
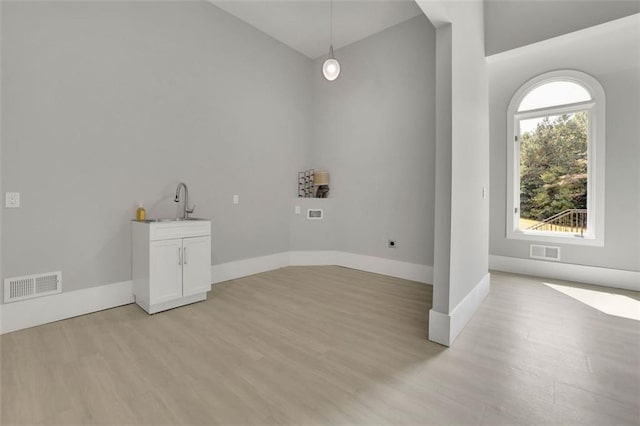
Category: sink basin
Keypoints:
(174, 219)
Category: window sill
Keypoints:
(557, 238)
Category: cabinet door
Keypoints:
(196, 272)
(166, 270)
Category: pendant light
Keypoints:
(331, 67)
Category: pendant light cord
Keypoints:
(331, 23)
(331, 66)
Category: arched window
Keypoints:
(555, 183)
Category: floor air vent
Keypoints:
(544, 252)
(29, 286)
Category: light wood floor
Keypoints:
(330, 346)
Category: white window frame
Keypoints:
(595, 157)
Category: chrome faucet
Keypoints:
(186, 211)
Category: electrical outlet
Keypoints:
(236, 199)
(12, 200)
(297, 210)
(392, 244)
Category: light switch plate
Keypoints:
(297, 210)
(236, 199)
(12, 200)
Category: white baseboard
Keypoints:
(323, 257)
(392, 268)
(242, 268)
(439, 327)
(42, 310)
(444, 328)
(29, 313)
(616, 278)
(378, 265)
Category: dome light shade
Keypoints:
(331, 67)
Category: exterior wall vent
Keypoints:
(544, 252)
(30, 286)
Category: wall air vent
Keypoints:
(314, 214)
(30, 286)
(544, 252)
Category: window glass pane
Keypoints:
(552, 94)
(553, 173)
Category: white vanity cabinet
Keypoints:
(171, 263)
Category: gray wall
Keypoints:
(315, 235)
(108, 104)
(469, 241)
(374, 130)
(611, 57)
(444, 129)
(105, 105)
(515, 23)
(462, 166)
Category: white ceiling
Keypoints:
(304, 24)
